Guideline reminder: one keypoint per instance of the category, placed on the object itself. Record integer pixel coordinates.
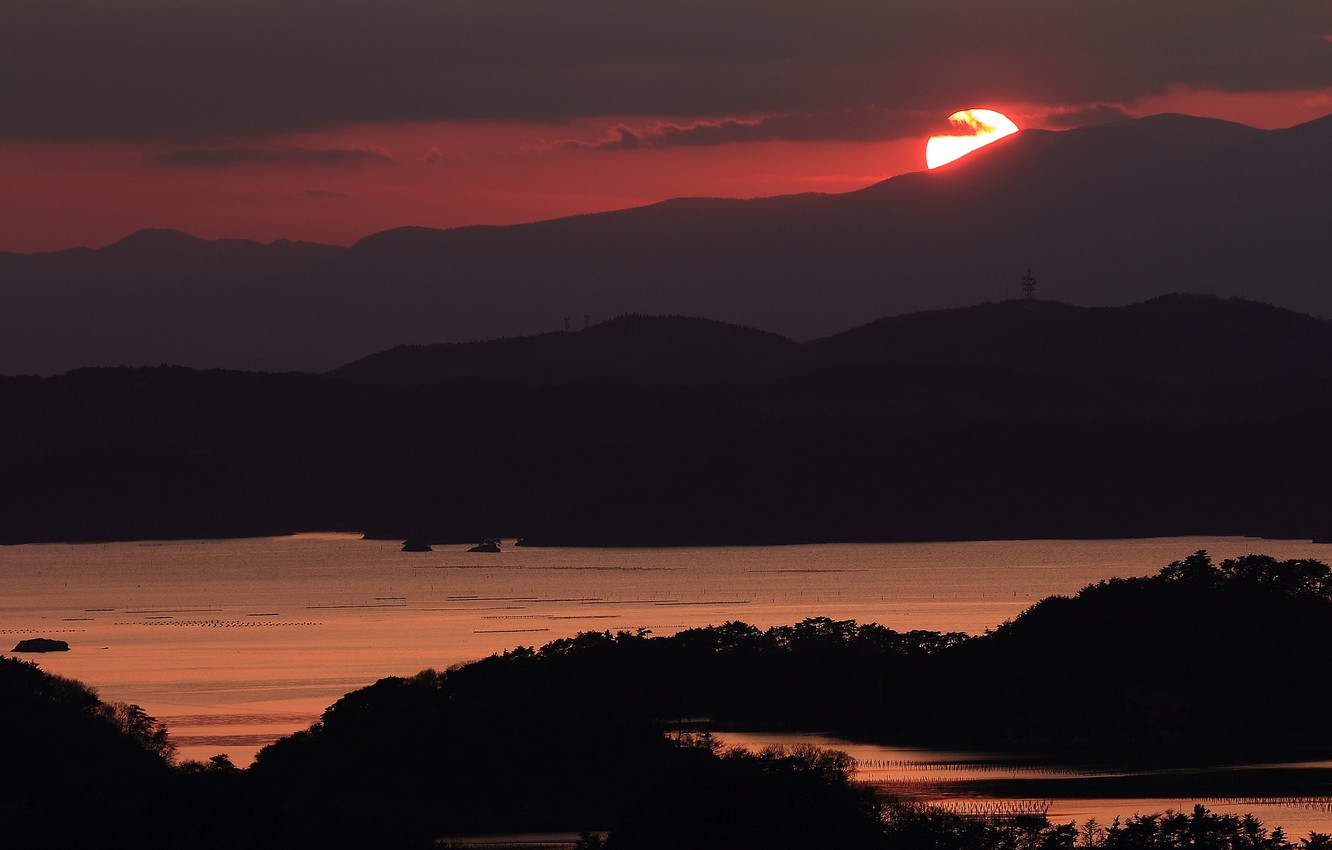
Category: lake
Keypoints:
(234, 643)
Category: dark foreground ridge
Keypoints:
(1202, 662)
(1181, 415)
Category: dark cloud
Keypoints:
(623, 139)
(198, 69)
(261, 156)
(860, 125)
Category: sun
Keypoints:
(975, 128)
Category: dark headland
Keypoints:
(1183, 414)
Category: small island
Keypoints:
(41, 645)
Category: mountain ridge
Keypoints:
(1175, 338)
(1104, 215)
(678, 430)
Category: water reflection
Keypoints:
(267, 632)
(1295, 795)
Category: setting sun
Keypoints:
(975, 128)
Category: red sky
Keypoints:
(330, 121)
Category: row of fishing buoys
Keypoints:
(910, 786)
(910, 764)
(43, 629)
(995, 808)
(963, 766)
(217, 624)
(1318, 804)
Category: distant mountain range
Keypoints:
(1182, 414)
(1104, 215)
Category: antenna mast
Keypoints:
(1029, 286)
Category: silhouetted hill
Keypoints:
(1145, 673)
(76, 767)
(1175, 649)
(1189, 134)
(1013, 419)
(1104, 215)
(1174, 357)
(1172, 339)
(157, 296)
(660, 350)
(154, 453)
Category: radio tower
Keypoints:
(1029, 286)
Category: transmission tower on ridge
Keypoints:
(1028, 286)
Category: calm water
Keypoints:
(235, 643)
(945, 777)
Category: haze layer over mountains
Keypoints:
(1104, 215)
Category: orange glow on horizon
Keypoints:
(976, 129)
(432, 174)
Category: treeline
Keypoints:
(585, 733)
(1173, 665)
(1167, 666)
(72, 767)
(927, 828)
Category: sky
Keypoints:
(329, 120)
